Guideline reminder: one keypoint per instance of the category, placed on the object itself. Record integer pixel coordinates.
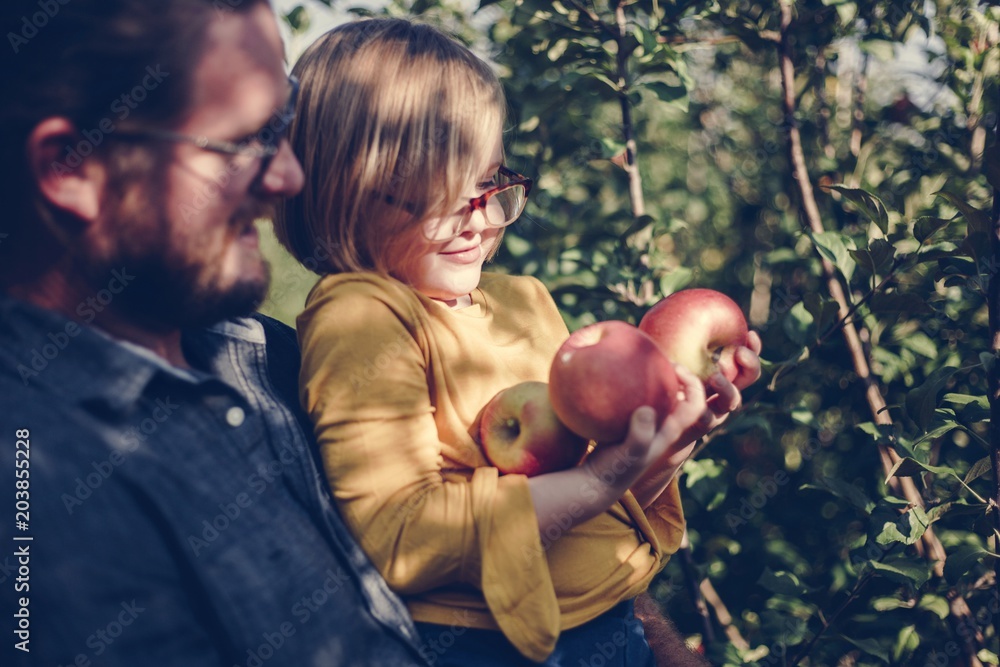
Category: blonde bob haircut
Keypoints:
(393, 121)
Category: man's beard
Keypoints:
(171, 295)
(169, 288)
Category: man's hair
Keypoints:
(393, 120)
(100, 63)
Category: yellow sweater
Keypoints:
(394, 383)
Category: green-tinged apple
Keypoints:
(602, 373)
(520, 432)
(701, 329)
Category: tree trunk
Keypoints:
(631, 167)
(993, 379)
(933, 549)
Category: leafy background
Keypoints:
(804, 549)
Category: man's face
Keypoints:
(189, 235)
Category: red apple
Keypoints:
(520, 432)
(699, 329)
(602, 373)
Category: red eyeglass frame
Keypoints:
(516, 179)
(480, 203)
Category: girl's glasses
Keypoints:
(501, 205)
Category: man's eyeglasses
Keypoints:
(501, 205)
(263, 145)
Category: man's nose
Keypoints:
(283, 176)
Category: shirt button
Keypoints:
(235, 416)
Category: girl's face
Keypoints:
(448, 271)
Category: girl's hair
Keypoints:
(393, 121)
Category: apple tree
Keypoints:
(832, 166)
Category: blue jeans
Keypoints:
(613, 639)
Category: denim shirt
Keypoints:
(173, 517)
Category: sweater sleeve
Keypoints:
(365, 385)
(666, 518)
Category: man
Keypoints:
(161, 502)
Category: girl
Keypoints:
(404, 340)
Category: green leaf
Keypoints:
(845, 491)
(908, 467)
(903, 571)
(870, 205)
(879, 432)
(935, 604)
(834, 246)
(926, 227)
(782, 583)
(961, 561)
(906, 642)
(803, 415)
(988, 657)
(957, 266)
(975, 245)
(824, 311)
(880, 48)
(603, 78)
(889, 603)
(557, 50)
(921, 344)
(936, 432)
(870, 646)
(781, 256)
(906, 529)
(957, 508)
(978, 221)
(921, 401)
(846, 12)
(611, 147)
(978, 469)
(675, 95)
(706, 482)
(298, 19)
(797, 324)
(971, 409)
(675, 280)
(876, 258)
(742, 422)
(646, 38)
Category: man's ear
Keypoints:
(69, 181)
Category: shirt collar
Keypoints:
(77, 362)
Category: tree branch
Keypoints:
(694, 590)
(993, 376)
(933, 548)
(722, 614)
(632, 169)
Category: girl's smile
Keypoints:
(448, 272)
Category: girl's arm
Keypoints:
(566, 498)
(725, 397)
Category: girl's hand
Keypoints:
(692, 414)
(748, 360)
(648, 458)
(724, 396)
(644, 445)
